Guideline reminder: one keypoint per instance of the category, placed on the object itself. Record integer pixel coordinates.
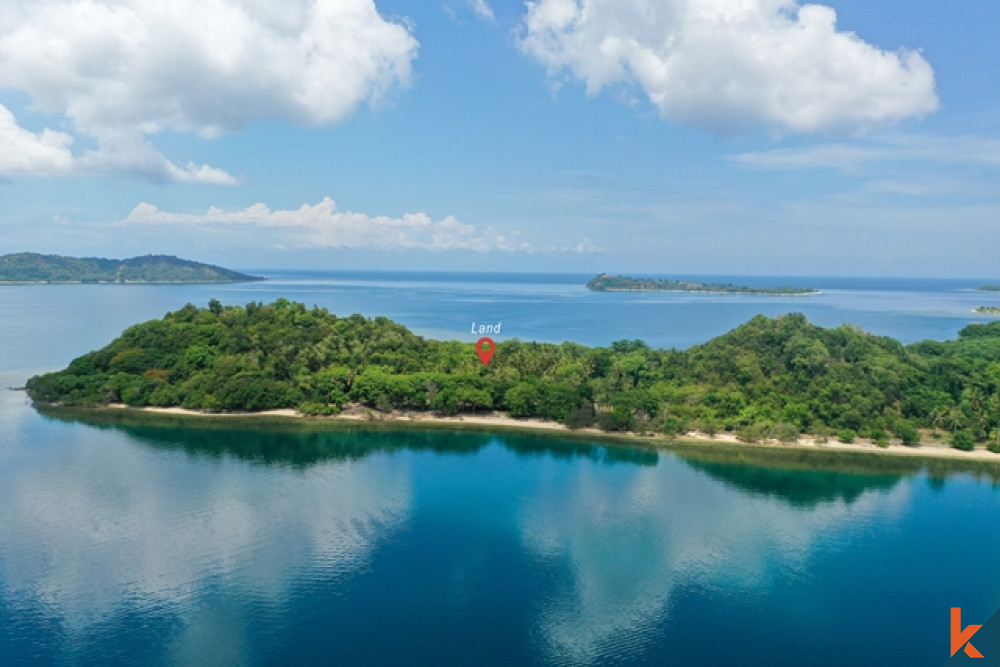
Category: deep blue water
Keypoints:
(172, 543)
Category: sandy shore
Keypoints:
(501, 421)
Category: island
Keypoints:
(606, 282)
(770, 379)
(987, 310)
(33, 268)
(989, 288)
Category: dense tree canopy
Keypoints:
(767, 378)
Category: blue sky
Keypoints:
(669, 136)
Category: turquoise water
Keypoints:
(177, 543)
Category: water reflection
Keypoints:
(633, 543)
(797, 487)
(304, 443)
(99, 530)
(200, 542)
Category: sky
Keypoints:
(640, 136)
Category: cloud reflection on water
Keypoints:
(631, 545)
(101, 524)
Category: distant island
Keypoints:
(769, 380)
(987, 310)
(989, 288)
(33, 268)
(609, 283)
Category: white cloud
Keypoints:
(725, 65)
(323, 225)
(49, 153)
(584, 247)
(128, 69)
(25, 152)
(972, 150)
(482, 9)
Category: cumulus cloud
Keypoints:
(25, 152)
(49, 153)
(727, 65)
(324, 225)
(123, 70)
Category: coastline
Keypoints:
(500, 422)
(705, 291)
(17, 283)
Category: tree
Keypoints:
(619, 419)
(522, 400)
(908, 433)
(963, 440)
(954, 418)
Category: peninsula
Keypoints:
(771, 379)
(611, 283)
(33, 268)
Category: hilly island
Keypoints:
(768, 379)
(606, 282)
(33, 268)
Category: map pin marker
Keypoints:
(485, 348)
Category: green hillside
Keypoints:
(29, 267)
(767, 378)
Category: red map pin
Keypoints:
(485, 348)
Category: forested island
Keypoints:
(767, 379)
(987, 310)
(606, 282)
(990, 288)
(31, 268)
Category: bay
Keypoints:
(179, 542)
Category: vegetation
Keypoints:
(769, 378)
(990, 288)
(988, 310)
(29, 267)
(609, 283)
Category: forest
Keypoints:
(770, 378)
(29, 267)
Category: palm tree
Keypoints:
(976, 399)
(954, 417)
(938, 415)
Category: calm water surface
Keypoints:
(171, 543)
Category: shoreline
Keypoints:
(705, 291)
(30, 283)
(496, 421)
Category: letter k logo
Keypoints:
(960, 637)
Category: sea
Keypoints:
(183, 542)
